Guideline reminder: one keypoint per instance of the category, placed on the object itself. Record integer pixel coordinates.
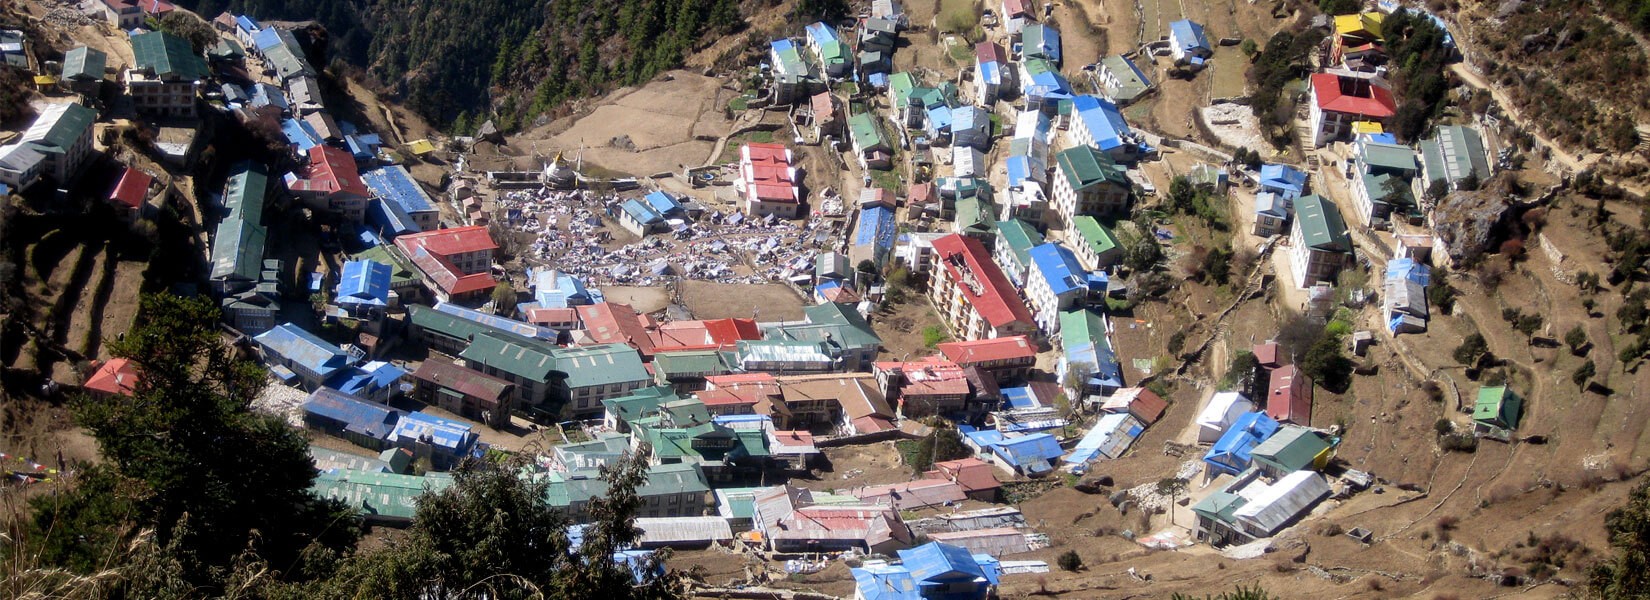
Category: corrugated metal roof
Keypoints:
(387, 495)
(364, 282)
(683, 530)
(452, 436)
(168, 56)
(1270, 507)
(85, 64)
(1321, 225)
(58, 127)
(359, 416)
(238, 250)
(303, 348)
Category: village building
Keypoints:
(1247, 508)
(790, 520)
(1319, 245)
(1223, 409)
(401, 204)
(20, 166)
(1380, 174)
(1233, 453)
(1032, 455)
(331, 183)
(127, 15)
(1143, 404)
(1089, 183)
(130, 197)
(972, 296)
(1016, 14)
(792, 75)
(639, 218)
(84, 71)
(768, 183)
(114, 377)
(1454, 155)
(1109, 439)
(1009, 358)
(442, 442)
(933, 566)
(165, 76)
(1096, 246)
(921, 388)
(1338, 101)
(1121, 81)
(1293, 448)
(365, 424)
(1099, 123)
(521, 361)
(1055, 283)
(1012, 248)
(1038, 40)
(389, 499)
(62, 136)
(1497, 412)
(673, 490)
(990, 65)
(834, 56)
(589, 374)
(976, 477)
(298, 356)
(1042, 86)
(464, 391)
(1088, 366)
(456, 264)
(1188, 45)
(1357, 40)
(911, 495)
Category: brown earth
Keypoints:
(766, 302)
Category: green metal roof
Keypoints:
(667, 364)
(506, 353)
(1498, 406)
(1020, 237)
(57, 127)
(1376, 187)
(661, 480)
(238, 250)
(1221, 506)
(1453, 153)
(86, 64)
(227, 48)
(381, 494)
(1084, 325)
(640, 403)
(1038, 66)
(245, 192)
(1131, 84)
(458, 327)
(845, 325)
(1292, 448)
(867, 134)
(1388, 156)
(400, 271)
(974, 215)
(168, 56)
(1099, 239)
(1085, 166)
(900, 86)
(602, 364)
(834, 52)
(1321, 224)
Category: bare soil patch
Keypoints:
(766, 302)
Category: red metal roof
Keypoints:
(1140, 402)
(912, 495)
(117, 377)
(448, 242)
(1267, 355)
(133, 188)
(767, 171)
(552, 315)
(979, 351)
(1013, 8)
(617, 323)
(464, 380)
(1291, 396)
(972, 474)
(332, 171)
(921, 193)
(711, 334)
(1351, 95)
(994, 298)
(988, 52)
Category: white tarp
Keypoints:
(1273, 505)
(1223, 408)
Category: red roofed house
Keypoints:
(130, 198)
(920, 388)
(975, 476)
(1144, 404)
(127, 15)
(971, 294)
(795, 449)
(742, 394)
(117, 377)
(1016, 13)
(464, 391)
(768, 181)
(332, 183)
(1290, 399)
(787, 519)
(710, 334)
(827, 112)
(456, 263)
(1340, 100)
(1007, 358)
(616, 323)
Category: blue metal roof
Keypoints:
(1283, 180)
(969, 117)
(1407, 268)
(1018, 397)
(1103, 120)
(267, 38)
(939, 117)
(555, 289)
(1269, 203)
(876, 226)
(935, 563)
(390, 219)
(264, 94)
(1231, 452)
(394, 183)
(300, 134)
(364, 282)
(366, 379)
(359, 416)
(1033, 451)
(246, 23)
(991, 72)
(885, 582)
(662, 202)
(1019, 169)
(303, 348)
(983, 438)
(1059, 267)
(642, 213)
(1095, 351)
(452, 436)
(820, 34)
(1189, 33)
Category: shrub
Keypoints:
(1443, 426)
(1069, 561)
(1471, 349)
(1575, 338)
(1583, 374)
(932, 335)
(1464, 443)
